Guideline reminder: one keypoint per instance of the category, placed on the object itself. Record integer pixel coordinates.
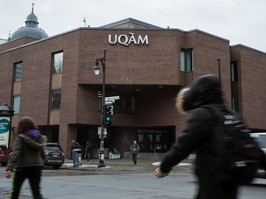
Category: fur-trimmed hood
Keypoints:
(34, 139)
(205, 90)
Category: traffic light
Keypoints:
(108, 114)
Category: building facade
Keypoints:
(52, 80)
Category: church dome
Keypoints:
(32, 17)
(30, 30)
(27, 31)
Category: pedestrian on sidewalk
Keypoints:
(198, 136)
(88, 151)
(134, 149)
(26, 159)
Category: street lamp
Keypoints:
(219, 70)
(96, 70)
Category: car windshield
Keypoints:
(262, 141)
(53, 148)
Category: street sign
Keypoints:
(109, 102)
(100, 131)
(112, 98)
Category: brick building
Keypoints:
(51, 79)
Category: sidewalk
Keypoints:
(124, 165)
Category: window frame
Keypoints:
(57, 61)
(18, 78)
(153, 140)
(234, 71)
(235, 100)
(55, 104)
(186, 60)
(16, 104)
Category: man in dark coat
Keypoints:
(134, 149)
(197, 137)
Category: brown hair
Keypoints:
(25, 123)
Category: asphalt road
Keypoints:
(130, 186)
(119, 181)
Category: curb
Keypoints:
(123, 165)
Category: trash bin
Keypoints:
(77, 157)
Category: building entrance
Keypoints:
(156, 140)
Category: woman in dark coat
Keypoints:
(26, 159)
(197, 137)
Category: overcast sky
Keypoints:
(240, 21)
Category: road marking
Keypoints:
(180, 164)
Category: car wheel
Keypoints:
(56, 166)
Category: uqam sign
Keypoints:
(127, 39)
(4, 130)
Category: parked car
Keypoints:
(4, 153)
(260, 137)
(53, 155)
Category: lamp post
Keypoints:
(96, 70)
(219, 70)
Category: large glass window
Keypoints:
(234, 76)
(18, 72)
(155, 140)
(56, 99)
(57, 62)
(16, 104)
(186, 60)
(125, 104)
(234, 86)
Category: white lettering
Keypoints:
(110, 39)
(145, 40)
(123, 39)
(126, 40)
(132, 38)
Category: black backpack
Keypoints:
(237, 155)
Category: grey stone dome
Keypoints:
(32, 18)
(30, 30)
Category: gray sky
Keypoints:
(240, 21)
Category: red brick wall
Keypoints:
(252, 81)
(155, 64)
(13, 44)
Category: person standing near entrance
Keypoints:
(134, 149)
(26, 159)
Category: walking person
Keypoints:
(134, 149)
(88, 150)
(197, 137)
(26, 159)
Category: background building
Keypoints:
(51, 79)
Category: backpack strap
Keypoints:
(216, 113)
